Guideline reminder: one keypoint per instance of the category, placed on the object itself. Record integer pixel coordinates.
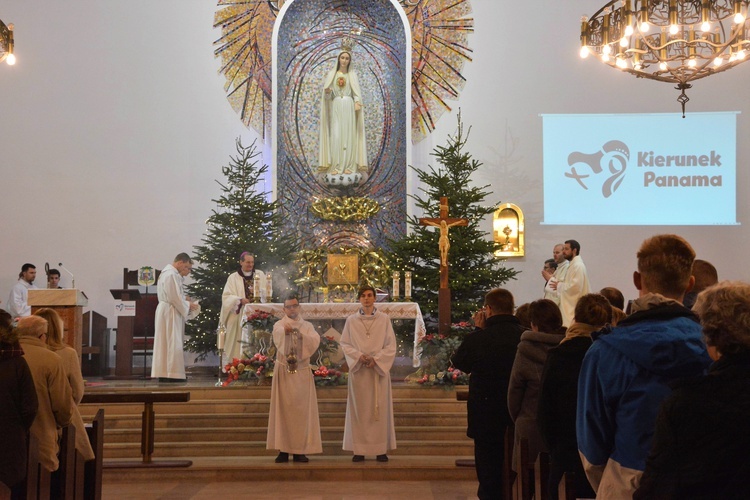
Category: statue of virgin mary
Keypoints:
(343, 151)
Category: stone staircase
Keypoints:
(223, 431)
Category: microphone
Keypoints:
(72, 278)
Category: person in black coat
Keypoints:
(559, 392)
(702, 434)
(18, 407)
(488, 354)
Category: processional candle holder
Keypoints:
(291, 356)
(396, 278)
(407, 286)
(269, 288)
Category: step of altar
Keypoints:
(429, 422)
(233, 466)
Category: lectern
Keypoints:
(69, 304)
(124, 339)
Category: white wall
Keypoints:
(114, 125)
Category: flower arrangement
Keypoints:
(437, 350)
(324, 376)
(261, 320)
(257, 367)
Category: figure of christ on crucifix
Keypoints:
(444, 294)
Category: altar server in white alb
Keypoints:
(173, 311)
(238, 291)
(369, 345)
(293, 424)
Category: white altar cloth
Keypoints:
(340, 310)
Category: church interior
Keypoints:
(116, 120)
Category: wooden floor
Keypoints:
(298, 490)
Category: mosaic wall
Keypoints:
(309, 41)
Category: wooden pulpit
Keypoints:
(124, 339)
(69, 304)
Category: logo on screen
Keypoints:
(612, 157)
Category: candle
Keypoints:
(220, 337)
(269, 288)
(396, 276)
(256, 288)
(407, 284)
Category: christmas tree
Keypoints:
(243, 221)
(474, 268)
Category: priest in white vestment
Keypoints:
(238, 291)
(369, 345)
(293, 423)
(173, 311)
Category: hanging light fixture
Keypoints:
(674, 41)
(6, 43)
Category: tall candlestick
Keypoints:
(220, 337)
(396, 277)
(407, 285)
(269, 288)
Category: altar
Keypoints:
(333, 310)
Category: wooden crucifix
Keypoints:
(444, 293)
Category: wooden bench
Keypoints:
(147, 429)
(92, 482)
(566, 489)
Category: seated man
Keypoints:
(53, 279)
(293, 424)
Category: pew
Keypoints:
(523, 485)
(92, 481)
(541, 477)
(64, 478)
(566, 489)
(509, 475)
(33, 468)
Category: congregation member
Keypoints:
(238, 291)
(626, 373)
(575, 284)
(705, 275)
(293, 423)
(53, 279)
(525, 377)
(72, 367)
(18, 302)
(487, 354)
(561, 269)
(617, 300)
(522, 313)
(559, 392)
(369, 345)
(172, 313)
(550, 266)
(52, 389)
(703, 429)
(18, 408)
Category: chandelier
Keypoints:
(6, 43)
(674, 41)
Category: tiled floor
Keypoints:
(298, 490)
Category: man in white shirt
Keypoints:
(556, 275)
(18, 302)
(575, 284)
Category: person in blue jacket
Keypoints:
(626, 373)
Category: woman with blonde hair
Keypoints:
(69, 356)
